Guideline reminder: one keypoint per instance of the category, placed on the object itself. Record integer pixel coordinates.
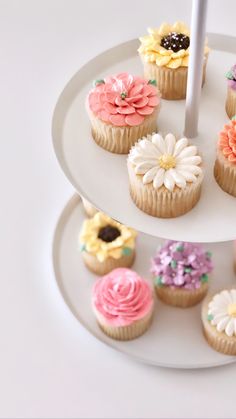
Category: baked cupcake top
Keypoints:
(104, 237)
(231, 77)
(181, 265)
(167, 46)
(227, 141)
(222, 312)
(123, 99)
(165, 162)
(122, 297)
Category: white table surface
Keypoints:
(50, 367)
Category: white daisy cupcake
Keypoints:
(165, 175)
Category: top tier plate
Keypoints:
(101, 177)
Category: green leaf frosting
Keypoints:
(126, 251)
(204, 278)
(173, 264)
(209, 317)
(153, 82)
(98, 81)
(82, 248)
(229, 75)
(158, 281)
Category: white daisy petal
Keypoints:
(189, 160)
(169, 181)
(149, 176)
(188, 176)
(159, 178)
(158, 140)
(180, 145)
(178, 178)
(195, 170)
(142, 168)
(170, 143)
(229, 330)
(188, 152)
(148, 148)
(222, 324)
(226, 296)
(218, 317)
(140, 159)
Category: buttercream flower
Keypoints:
(165, 161)
(231, 77)
(123, 99)
(222, 312)
(167, 46)
(227, 142)
(104, 237)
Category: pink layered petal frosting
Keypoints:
(123, 100)
(122, 297)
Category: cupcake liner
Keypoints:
(172, 83)
(132, 331)
(161, 202)
(119, 140)
(230, 105)
(89, 208)
(102, 268)
(225, 174)
(180, 297)
(218, 341)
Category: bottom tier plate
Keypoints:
(175, 337)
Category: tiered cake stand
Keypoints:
(175, 338)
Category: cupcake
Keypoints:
(122, 108)
(165, 56)
(123, 304)
(230, 104)
(225, 164)
(106, 244)
(181, 273)
(89, 209)
(165, 175)
(219, 321)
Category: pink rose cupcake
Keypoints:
(123, 304)
(122, 109)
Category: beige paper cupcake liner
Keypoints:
(129, 332)
(172, 83)
(218, 341)
(119, 140)
(178, 297)
(89, 208)
(225, 174)
(230, 105)
(161, 202)
(102, 268)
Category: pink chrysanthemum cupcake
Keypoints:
(122, 109)
(181, 273)
(123, 304)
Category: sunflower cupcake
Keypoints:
(165, 175)
(230, 104)
(165, 56)
(181, 273)
(106, 244)
(225, 164)
(219, 321)
(122, 108)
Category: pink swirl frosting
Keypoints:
(122, 297)
(123, 100)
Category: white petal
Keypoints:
(178, 178)
(222, 324)
(158, 140)
(142, 168)
(218, 317)
(149, 176)
(180, 145)
(195, 170)
(141, 159)
(188, 176)
(189, 160)
(188, 152)
(169, 181)
(170, 143)
(148, 148)
(159, 178)
(226, 296)
(229, 330)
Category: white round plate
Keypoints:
(175, 337)
(101, 177)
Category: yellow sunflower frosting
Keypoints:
(167, 46)
(104, 237)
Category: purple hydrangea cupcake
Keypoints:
(230, 104)
(181, 273)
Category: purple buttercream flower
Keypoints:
(181, 264)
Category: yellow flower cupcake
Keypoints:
(106, 244)
(165, 56)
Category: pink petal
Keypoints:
(141, 103)
(95, 107)
(133, 98)
(134, 119)
(110, 108)
(149, 90)
(104, 116)
(111, 97)
(118, 120)
(136, 90)
(120, 102)
(153, 101)
(126, 110)
(147, 110)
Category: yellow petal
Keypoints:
(164, 51)
(175, 63)
(164, 29)
(185, 61)
(163, 60)
(116, 253)
(180, 27)
(153, 31)
(145, 39)
(181, 53)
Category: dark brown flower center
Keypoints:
(109, 233)
(175, 41)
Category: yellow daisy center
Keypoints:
(232, 310)
(167, 161)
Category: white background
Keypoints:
(49, 366)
